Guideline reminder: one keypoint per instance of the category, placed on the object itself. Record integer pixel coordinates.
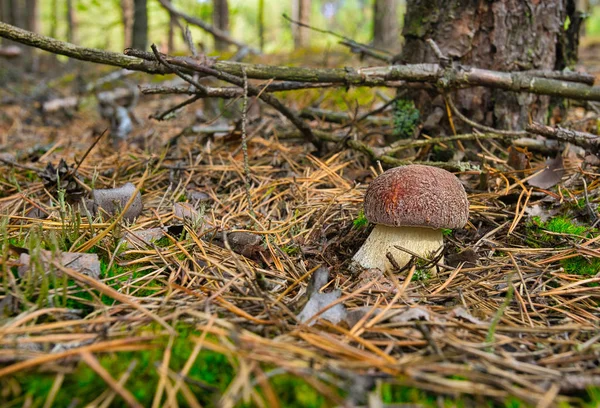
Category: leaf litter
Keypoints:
(273, 290)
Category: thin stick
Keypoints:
(245, 145)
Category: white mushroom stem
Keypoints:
(383, 239)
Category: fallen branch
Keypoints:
(453, 77)
(586, 140)
(383, 155)
(252, 91)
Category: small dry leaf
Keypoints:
(186, 211)
(551, 175)
(461, 313)
(468, 256)
(198, 196)
(355, 315)
(143, 237)
(113, 200)
(518, 159)
(319, 301)
(410, 314)
(87, 264)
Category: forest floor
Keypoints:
(179, 318)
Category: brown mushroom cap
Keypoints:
(417, 196)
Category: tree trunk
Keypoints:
(503, 35)
(21, 13)
(301, 13)
(140, 25)
(385, 23)
(127, 19)
(53, 18)
(261, 24)
(221, 21)
(71, 22)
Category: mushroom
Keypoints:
(410, 205)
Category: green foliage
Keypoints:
(360, 221)
(406, 118)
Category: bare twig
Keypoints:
(354, 46)
(217, 33)
(476, 125)
(245, 146)
(582, 139)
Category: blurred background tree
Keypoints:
(117, 24)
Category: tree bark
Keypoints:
(301, 13)
(221, 21)
(21, 13)
(127, 19)
(385, 23)
(501, 35)
(140, 25)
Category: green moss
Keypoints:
(360, 221)
(294, 392)
(209, 375)
(537, 237)
(406, 118)
(581, 266)
(563, 225)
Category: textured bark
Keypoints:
(221, 21)
(385, 23)
(502, 35)
(301, 13)
(140, 25)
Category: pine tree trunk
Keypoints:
(301, 13)
(140, 25)
(221, 21)
(385, 23)
(503, 35)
